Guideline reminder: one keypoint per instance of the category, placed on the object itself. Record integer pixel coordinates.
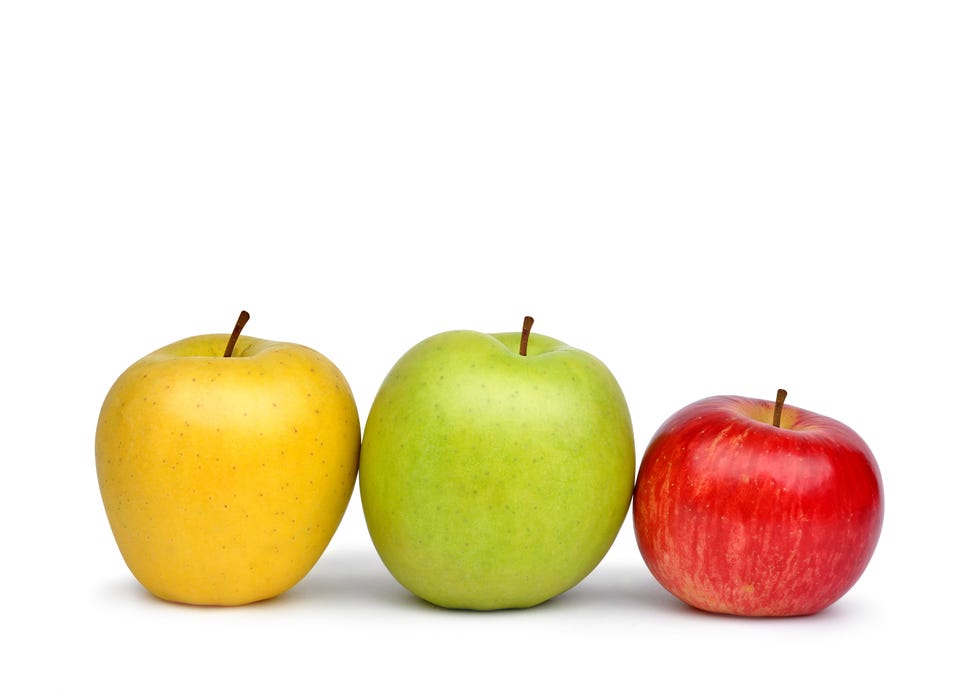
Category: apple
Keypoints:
(496, 469)
(750, 507)
(225, 464)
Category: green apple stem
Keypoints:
(525, 334)
(777, 410)
(236, 332)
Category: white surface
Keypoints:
(711, 197)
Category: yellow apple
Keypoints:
(224, 477)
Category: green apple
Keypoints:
(225, 465)
(496, 469)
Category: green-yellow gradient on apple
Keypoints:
(225, 477)
(492, 479)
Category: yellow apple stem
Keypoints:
(236, 332)
(777, 410)
(525, 334)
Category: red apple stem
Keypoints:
(525, 334)
(236, 332)
(777, 410)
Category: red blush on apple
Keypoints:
(749, 507)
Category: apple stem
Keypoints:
(525, 334)
(777, 410)
(236, 332)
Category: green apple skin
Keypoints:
(491, 480)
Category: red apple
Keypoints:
(749, 507)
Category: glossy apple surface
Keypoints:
(491, 479)
(224, 478)
(735, 515)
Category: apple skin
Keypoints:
(734, 515)
(224, 479)
(491, 480)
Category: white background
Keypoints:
(712, 197)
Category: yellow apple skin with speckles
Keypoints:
(224, 478)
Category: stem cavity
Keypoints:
(236, 332)
(525, 334)
(777, 411)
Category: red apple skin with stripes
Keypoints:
(735, 515)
